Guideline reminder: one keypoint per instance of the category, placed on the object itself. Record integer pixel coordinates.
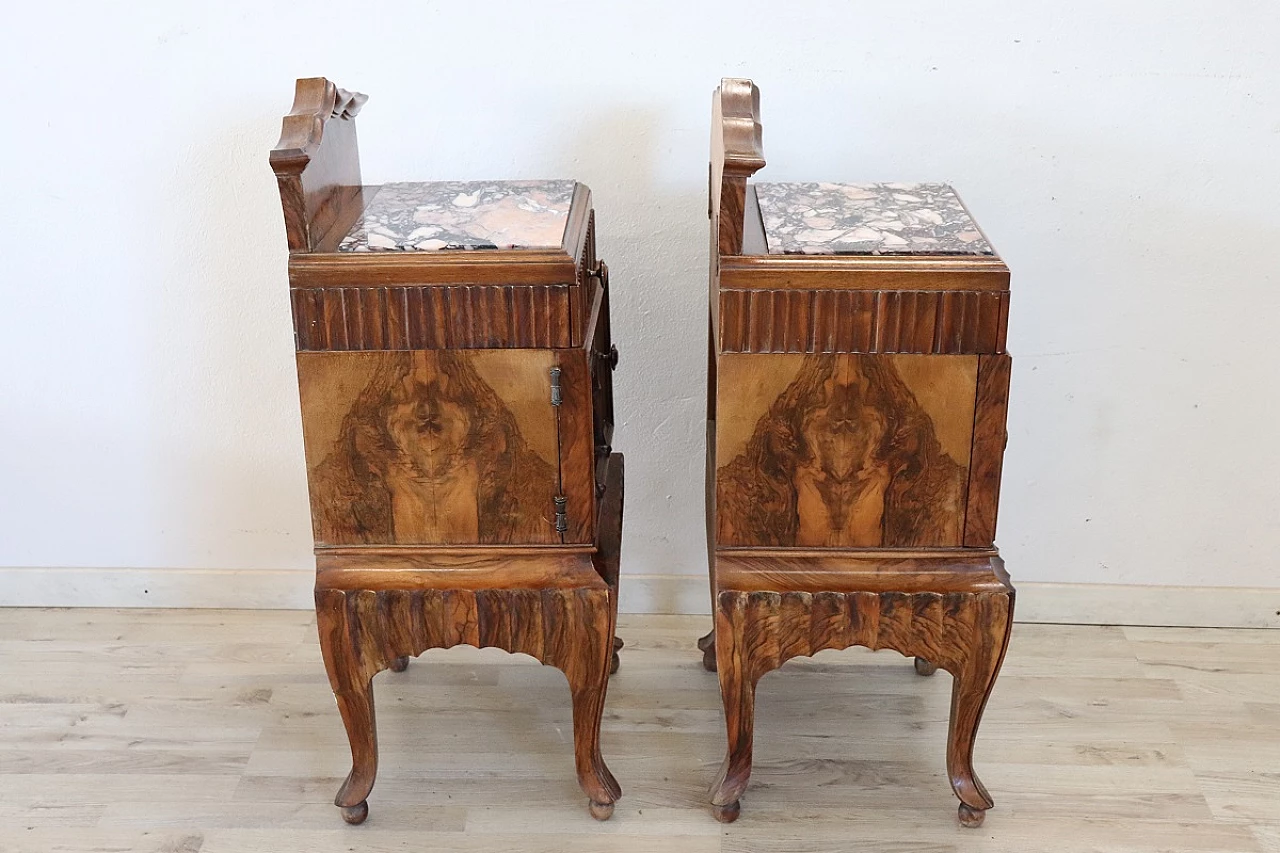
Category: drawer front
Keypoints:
(435, 316)
(430, 447)
(843, 450)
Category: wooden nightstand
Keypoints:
(856, 426)
(454, 366)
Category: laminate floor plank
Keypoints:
(169, 731)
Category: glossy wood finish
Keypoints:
(989, 439)
(856, 419)
(843, 450)
(430, 447)
(364, 631)
(736, 154)
(964, 631)
(441, 316)
(944, 571)
(457, 411)
(832, 320)
(316, 161)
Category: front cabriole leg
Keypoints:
(581, 646)
(338, 618)
(739, 670)
(974, 676)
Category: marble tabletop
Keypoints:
(867, 219)
(462, 215)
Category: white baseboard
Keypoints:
(251, 589)
(1076, 603)
(1157, 606)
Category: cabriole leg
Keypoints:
(971, 688)
(356, 707)
(738, 692)
(352, 685)
(588, 681)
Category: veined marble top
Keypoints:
(867, 219)
(462, 215)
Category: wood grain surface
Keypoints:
(457, 417)
(463, 316)
(407, 567)
(872, 570)
(912, 321)
(964, 633)
(430, 447)
(989, 439)
(577, 444)
(364, 631)
(843, 450)
(855, 431)
(736, 154)
(316, 161)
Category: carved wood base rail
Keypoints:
(364, 631)
(965, 633)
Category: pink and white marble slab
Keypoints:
(867, 219)
(462, 216)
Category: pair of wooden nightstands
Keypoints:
(454, 366)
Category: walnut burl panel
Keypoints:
(430, 447)
(989, 438)
(843, 450)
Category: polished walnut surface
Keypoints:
(856, 428)
(454, 371)
(462, 216)
(843, 450)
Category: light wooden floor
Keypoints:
(215, 731)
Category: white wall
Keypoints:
(1124, 158)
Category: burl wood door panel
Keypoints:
(843, 450)
(430, 447)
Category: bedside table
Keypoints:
(454, 367)
(856, 427)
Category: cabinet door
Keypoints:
(430, 447)
(843, 450)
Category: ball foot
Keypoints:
(728, 813)
(707, 644)
(971, 817)
(600, 811)
(924, 667)
(357, 813)
(615, 661)
(400, 664)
